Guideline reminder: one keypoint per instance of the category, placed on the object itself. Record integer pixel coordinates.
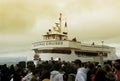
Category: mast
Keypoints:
(58, 26)
(60, 21)
(65, 32)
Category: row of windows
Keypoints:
(55, 51)
(78, 53)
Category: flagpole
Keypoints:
(60, 21)
(101, 55)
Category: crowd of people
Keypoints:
(62, 71)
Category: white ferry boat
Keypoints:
(56, 44)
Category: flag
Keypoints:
(65, 24)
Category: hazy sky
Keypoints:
(22, 22)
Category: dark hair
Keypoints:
(56, 66)
(118, 60)
(77, 61)
(91, 66)
(117, 66)
(35, 71)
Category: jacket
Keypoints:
(56, 76)
(81, 74)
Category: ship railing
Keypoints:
(95, 46)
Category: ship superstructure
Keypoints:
(56, 44)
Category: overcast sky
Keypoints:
(22, 22)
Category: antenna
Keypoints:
(60, 21)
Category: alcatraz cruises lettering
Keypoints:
(46, 43)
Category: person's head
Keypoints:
(56, 66)
(35, 72)
(51, 58)
(77, 63)
(117, 64)
(107, 68)
(91, 66)
(99, 66)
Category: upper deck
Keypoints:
(62, 44)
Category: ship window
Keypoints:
(53, 36)
(80, 53)
(105, 54)
(56, 51)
